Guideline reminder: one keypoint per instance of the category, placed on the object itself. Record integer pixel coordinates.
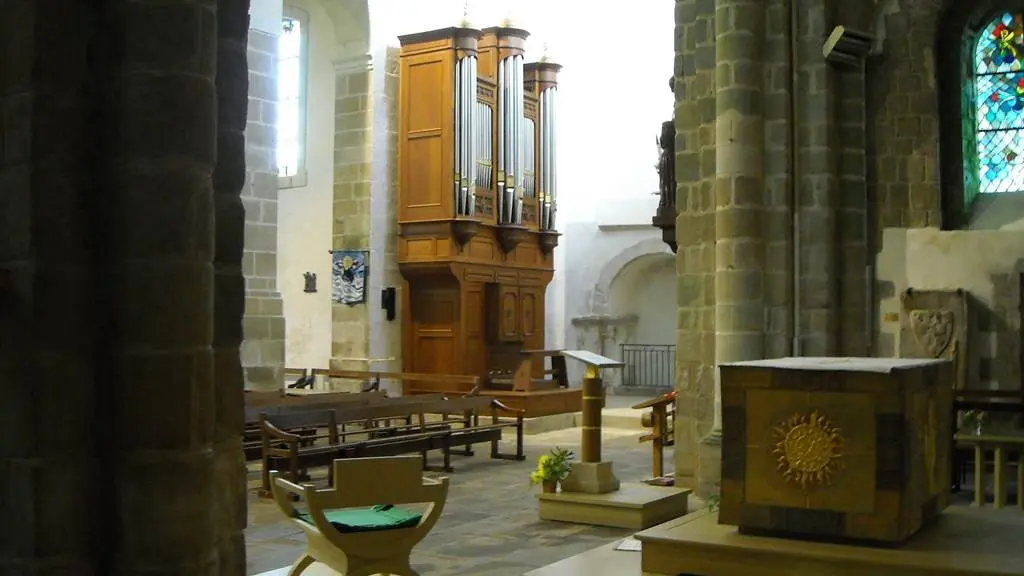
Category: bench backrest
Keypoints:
(303, 419)
(442, 383)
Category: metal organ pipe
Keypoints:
(474, 137)
(466, 140)
(554, 157)
(457, 163)
(500, 160)
(520, 139)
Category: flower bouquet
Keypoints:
(552, 468)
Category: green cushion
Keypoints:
(380, 517)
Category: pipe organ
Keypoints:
(477, 198)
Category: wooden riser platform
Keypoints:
(537, 403)
(541, 402)
(963, 541)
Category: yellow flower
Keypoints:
(544, 459)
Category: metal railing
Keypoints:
(649, 365)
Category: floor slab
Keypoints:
(490, 519)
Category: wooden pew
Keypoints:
(276, 402)
(413, 382)
(297, 452)
(532, 375)
(661, 420)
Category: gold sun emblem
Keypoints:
(808, 449)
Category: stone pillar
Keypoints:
(352, 187)
(158, 165)
(817, 186)
(52, 509)
(778, 191)
(695, 231)
(263, 348)
(739, 185)
(385, 346)
(229, 285)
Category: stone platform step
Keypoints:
(634, 505)
(603, 561)
(963, 541)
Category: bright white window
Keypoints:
(291, 99)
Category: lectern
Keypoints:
(592, 494)
(590, 474)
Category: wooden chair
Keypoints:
(363, 482)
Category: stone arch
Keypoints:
(351, 20)
(599, 303)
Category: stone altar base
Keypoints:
(635, 506)
(962, 541)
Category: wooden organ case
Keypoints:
(477, 205)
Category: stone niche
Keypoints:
(938, 324)
(603, 334)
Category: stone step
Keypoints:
(603, 561)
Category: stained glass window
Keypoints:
(998, 93)
(291, 130)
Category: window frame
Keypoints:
(955, 48)
(299, 179)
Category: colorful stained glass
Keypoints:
(1001, 45)
(998, 97)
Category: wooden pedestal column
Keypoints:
(593, 401)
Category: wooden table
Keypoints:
(1000, 440)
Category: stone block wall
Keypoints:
(121, 231)
(353, 180)
(863, 157)
(263, 326)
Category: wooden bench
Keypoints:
(362, 483)
(276, 402)
(661, 420)
(532, 374)
(471, 431)
(411, 382)
(296, 453)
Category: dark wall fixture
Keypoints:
(387, 302)
(665, 217)
(310, 286)
(6, 284)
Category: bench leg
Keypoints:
(300, 565)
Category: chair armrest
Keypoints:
(275, 432)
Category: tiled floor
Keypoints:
(489, 526)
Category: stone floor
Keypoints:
(489, 526)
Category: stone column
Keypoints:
(229, 285)
(817, 186)
(385, 337)
(52, 509)
(158, 166)
(739, 184)
(263, 347)
(695, 231)
(352, 186)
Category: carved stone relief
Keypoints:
(603, 334)
(937, 324)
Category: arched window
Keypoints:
(292, 64)
(981, 71)
(999, 108)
